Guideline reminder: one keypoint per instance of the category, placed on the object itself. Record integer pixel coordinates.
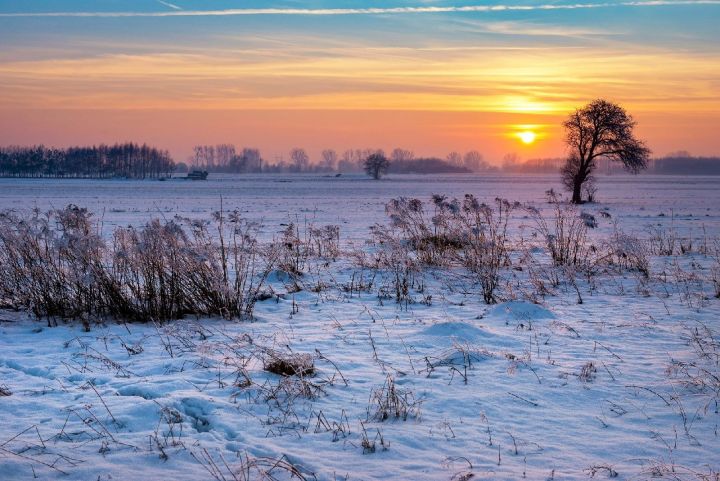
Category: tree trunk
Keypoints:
(577, 191)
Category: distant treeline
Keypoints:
(225, 158)
(512, 164)
(431, 165)
(686, 164)
(134, 161)
(228, 158)
(127, 160)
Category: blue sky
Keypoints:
(501, 69)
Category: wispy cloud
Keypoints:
(534, 81)
(176, 12)
(530, 29)
(169, 5)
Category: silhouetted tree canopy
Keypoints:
(226, 158)
(601, 129)
(376, 165)
(120, 160)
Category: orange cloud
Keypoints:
(527, 81)
(432, 100)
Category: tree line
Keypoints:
(683, 163)
(600, 132)
(228, 158)
(128, 160)
(225, 158)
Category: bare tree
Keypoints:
(299, 159)
(367, 152)
(347, 162)
(376, 165)
(454, 158)
(474, 161)
(224, 154)
(510, 162)
(209, 154)
(249, 160)
(401, 155)
(199, 159)
(329, 159)
(601, 129)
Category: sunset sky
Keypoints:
(430, 76)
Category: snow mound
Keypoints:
(146, 391)
(455, 329)
(459, 355)
(520, 311)
(464, 333)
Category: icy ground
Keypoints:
(556, 390)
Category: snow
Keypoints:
(520, 310)
(501, 391)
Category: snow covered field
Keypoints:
(624, 384)
(353, 201)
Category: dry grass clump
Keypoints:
(163, 273)
(460, 354)
(458, 359)
(292, 376)
(57, 265)
(369, 445)
(688, 282)
(325, 241)
(628, 252)
(294, 364)
(715, 269)
(715, 279)
(298, 378)
(471, 239)
(282, 395)
(564, 234)
(401, 271)
(170, 428)
(296, 246)
(392, 402)
(250, 468)
(483, 229)
(661, 241)
(701, 374)
(470, 234)
(52, 263)
(676, 472)
(601, 468)
(294, 250)
(339, 429)
(425, 233)
(171, 269)
(587, 372)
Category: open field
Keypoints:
(378, 357)
(352, 201)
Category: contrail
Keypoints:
(169, 5)
(362, 11)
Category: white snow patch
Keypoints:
(519, 311)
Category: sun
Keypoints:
(527, 137)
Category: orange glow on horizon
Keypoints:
(430, 101)
(526, 137)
